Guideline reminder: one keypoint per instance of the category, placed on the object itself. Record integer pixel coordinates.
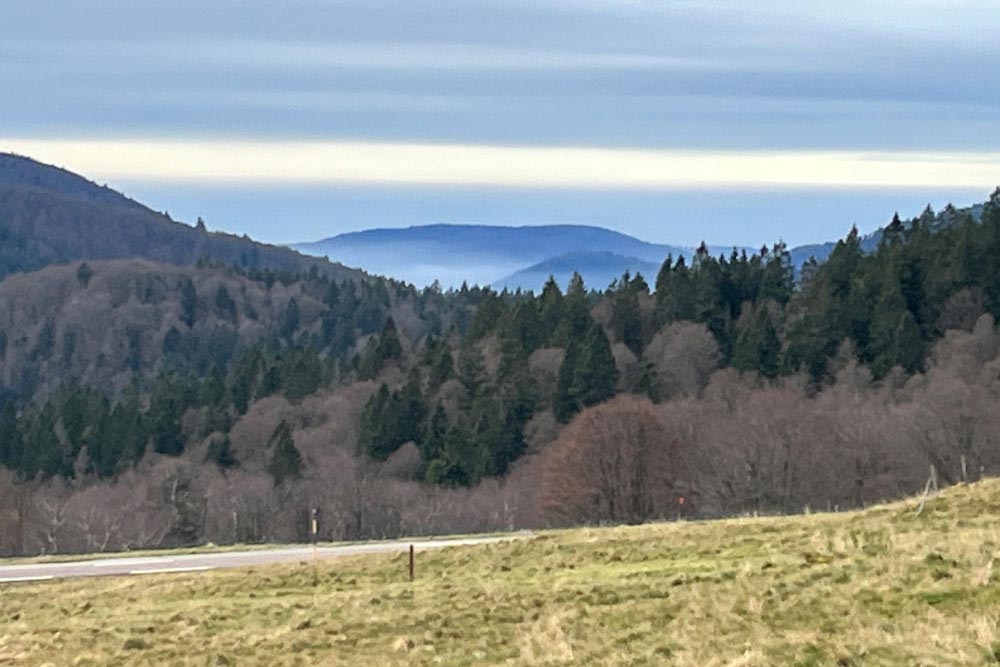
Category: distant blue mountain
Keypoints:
(480, 254)
(598, 269)
(524, 257)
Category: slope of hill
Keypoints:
(100, 326)
(598, 269)
(883, 586)
(17, 170)
(480, 254)
(51, 216)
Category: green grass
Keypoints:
(879, 587)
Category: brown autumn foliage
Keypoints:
(615, 462)
(730, 443)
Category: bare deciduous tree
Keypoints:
(614, 462)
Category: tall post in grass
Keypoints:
(411, 562)
(314, 535)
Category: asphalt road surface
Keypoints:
(125, 566)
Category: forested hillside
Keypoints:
(51, 216)
(221, 403)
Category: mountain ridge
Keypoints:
(49, 215)
(453, 254)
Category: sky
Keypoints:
(732, 122)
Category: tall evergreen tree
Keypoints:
(189, 301)
(10, 437)
(286, 461)
(566, 400)
(220, 452)
(597, 375)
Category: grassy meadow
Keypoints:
(877, 587)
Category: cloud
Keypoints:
(271, 161)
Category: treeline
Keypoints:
(743, 445)
(464, 375)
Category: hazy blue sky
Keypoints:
(371, 113)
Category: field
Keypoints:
(878, 587)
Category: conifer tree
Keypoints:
(442, 367)
(551, 311)
(566, 400)
(189, 301)
(432, 443)
(127, 430)
(225, 307)
(220, 452)
(597, 375)
(286, 461)
(288, 320)
(626, 318)
(167, 403)
(10, 437)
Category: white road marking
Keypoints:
(30, 566)
(125, 562)
(24, 572)
(171, 570)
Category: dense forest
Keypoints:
(219, 402)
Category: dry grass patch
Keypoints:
(880, 587)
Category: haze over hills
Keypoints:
(493, 254)
(598, 268)
(524, 257)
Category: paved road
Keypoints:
(103, 567)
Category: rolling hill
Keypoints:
(598, 268)
(481, 254)
(52, 216)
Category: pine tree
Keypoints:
(576, 311)
(432, 443)
(302, 373)
(626, 319)
(10, 437)
(225, 307)
(442, 367)
(566, 400)
(220, 452)
(371, 435)
(389, 346)
(412, 410)
(379, 351)
(471, 373)
(84, 274)
(167, 403)
(758, 346)
(127, 432)
(189, 301)
(243, 379)
(551, 312)
(288, 320)
(597, 376)
(213, 389)
(286, 461)
(525, 327)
